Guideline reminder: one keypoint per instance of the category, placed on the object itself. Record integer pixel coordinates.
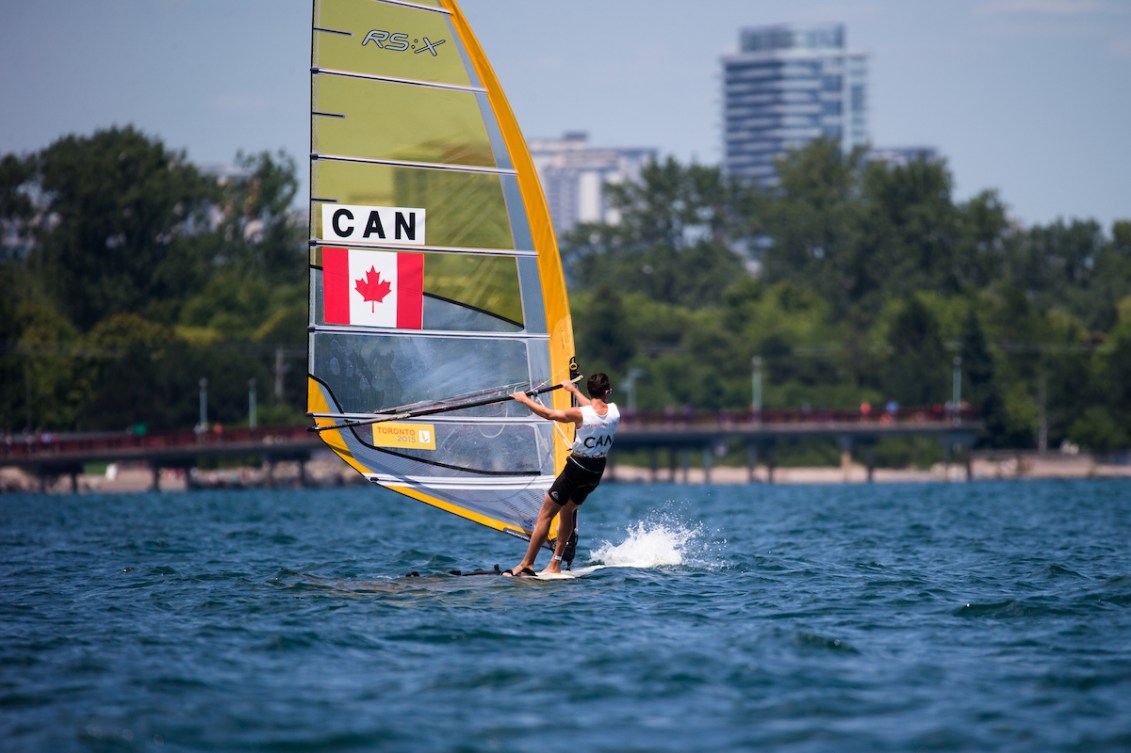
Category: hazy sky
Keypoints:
(1031, 97)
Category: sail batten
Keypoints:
(395, 80)
(437, 333)
(432, 419)
(417, 6)
(433, 267)
(458, 251)
(421, 165)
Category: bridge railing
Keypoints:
(47, 443)
(932, 414)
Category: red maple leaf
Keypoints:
(372, 287)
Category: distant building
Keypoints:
(574, 174)
(251, 228)
(785, 87)
(902, 155)
(18, 235)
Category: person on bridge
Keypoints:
(596, 420)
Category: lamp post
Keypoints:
(251, 418)
(756, 388)
(956, 391)
(630, 387)
(203, 425)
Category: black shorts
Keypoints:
(579, 477)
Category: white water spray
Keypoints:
(662, 541)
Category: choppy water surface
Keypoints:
(985, 616)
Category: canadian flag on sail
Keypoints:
(373, 288)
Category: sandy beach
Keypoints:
(1021, 466)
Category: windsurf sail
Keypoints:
(435, 279)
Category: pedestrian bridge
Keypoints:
(676, 435)
(679, 435)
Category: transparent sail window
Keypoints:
(369, 373)
(481, 447)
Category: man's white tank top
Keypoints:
(594, 437)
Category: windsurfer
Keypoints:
(595, 419)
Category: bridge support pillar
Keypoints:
(685, 464)
(751, 462)
(706, 465)
(949, 445)
(155, 477)
(653, 464)
(845, 443)
(766, 447)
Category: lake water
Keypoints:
(975, 617)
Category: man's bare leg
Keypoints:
(538, 535)
(567, 520)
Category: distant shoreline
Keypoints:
(329, 472)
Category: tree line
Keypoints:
(858, 281)
(129, 275)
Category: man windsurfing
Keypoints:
(595, 420)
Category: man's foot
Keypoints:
(520, 571)
(555, 566)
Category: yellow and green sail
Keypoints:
(434, 271)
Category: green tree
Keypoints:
(674, 240)
(256, 208)
(1057, 265)
(812, 224)
(917, 371)
(1111, 280)
(117, 202)
(911, 235)
(1101, 420)
(15, 203)
(54, 369)
(982, 227)
(603, 332)
(124, 390)
(980, 388)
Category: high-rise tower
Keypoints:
(786, 86)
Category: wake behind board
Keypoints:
(497, 571)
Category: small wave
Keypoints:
(661, 541)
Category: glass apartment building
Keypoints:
(786, 86)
